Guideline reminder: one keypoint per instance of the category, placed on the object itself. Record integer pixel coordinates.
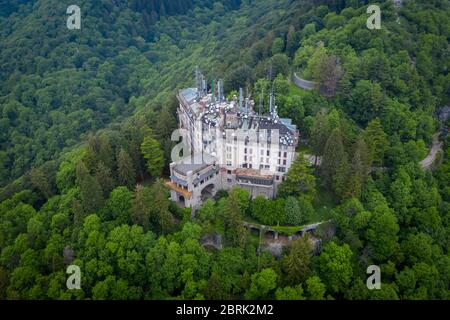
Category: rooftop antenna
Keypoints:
(198, 81)
(204, 85)
(247, 100)
(247, 105)
(261, 101)
(271, 90)
(271, 102)
(270, 71)
(241, 98)
(220, 90)
(217, 90)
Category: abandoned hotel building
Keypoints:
(229, 144)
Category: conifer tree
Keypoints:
(334, 160)
(376, 141)
(340, 180)
(358, 171)
(105, 152)
(126, 173)
(293, 214)
(234, 228)
(291, 41)
(296, 265)
(40, 181)
(299, 179)
(319, 134)
(81, 172)
(92, 150)
(152, 152)
(104, 177)
(160, 204)
(140, 213)
(91, 194)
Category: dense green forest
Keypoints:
(86, 119)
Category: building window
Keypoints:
(250, 166)
(262, 152)
(245, 150)
(284, 162)
(285, 154)
(251, 151)
(262, 160)
(268, 153)
(279, 154)
(229, 171)
(279, 161)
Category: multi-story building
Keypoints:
(229, 143)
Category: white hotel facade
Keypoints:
(227, 144)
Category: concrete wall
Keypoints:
(254, 190)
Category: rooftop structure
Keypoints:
(230, 144)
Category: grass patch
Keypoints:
(323, 207)
(324, 204)
(303, 148)
(288, 230)
(295, 91)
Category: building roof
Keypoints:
(179, 181)
(286, 130)
(194, 164)
(257, 177)
(189, 94)
(205, 175)
(186, 194)
(229, 114)
(254, 173)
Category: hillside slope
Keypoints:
(91, 114)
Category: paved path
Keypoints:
(435, 149)
(303, 84)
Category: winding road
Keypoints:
(435, 149)
(303, 84)
(425, 163)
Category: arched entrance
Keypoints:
(182, 201)
(208, 192)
